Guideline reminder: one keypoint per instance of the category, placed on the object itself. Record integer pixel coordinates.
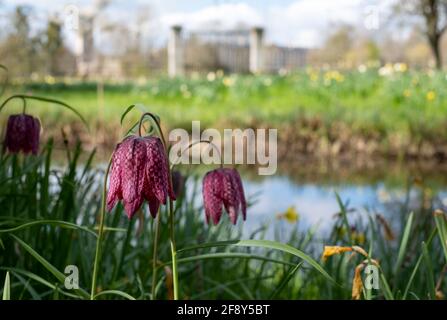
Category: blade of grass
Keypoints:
(267, 244)
(404, 243)
(429, 273)
(114, 292)
(224, 255)
(59, 275)
(7, 288)
(416, 267)
(441, 226)
(58, 223)
(285, 281)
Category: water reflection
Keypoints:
(387, 188)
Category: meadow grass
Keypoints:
(49, 211)
(408, 103)
(49, 220)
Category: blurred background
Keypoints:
(126, 39)
(356, 88)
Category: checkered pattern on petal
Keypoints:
(212, 191)
(132, 176)
(223, 187)
(139, 171)
(118, 157)
(230, 195)
(157, 169)
(240, 191)
(22, 134)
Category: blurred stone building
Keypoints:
(234, 51)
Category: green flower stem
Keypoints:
(23, 97)
(155, 256)
(199, 142)
(172, 222)
(100, 233)
(173, 250)
(170, 206)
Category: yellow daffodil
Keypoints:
(430, 96)
(400, 67)
(358, 237)
(228, 81)
(290, 215)
(357, 283)
(332, 250)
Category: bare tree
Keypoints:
(434, 16)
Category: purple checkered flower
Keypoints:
(223, 188)
(139, 171)
(22, 134)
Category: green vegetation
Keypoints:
(49, 216)
(374, 102)
(49, 220)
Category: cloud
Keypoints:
(300, 23)
(303, 23)
(224, 16)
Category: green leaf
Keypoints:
(224, 255)
(58, 223)
(404, 242)
(429, 273)
(38, 279)
(267, 244)
(115, 292)
(285, 280)
(7, 288)
(59, 275)
(416, 267)
(386, 287)
(441, 226)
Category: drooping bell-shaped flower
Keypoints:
(22, 134)
(139, 171)
(222, 188)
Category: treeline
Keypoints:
(28, 52)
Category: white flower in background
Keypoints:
(211, 76)
(267, 82)
(362, 68)
(400, 67)
(386, 70)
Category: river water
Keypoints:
(311, 191)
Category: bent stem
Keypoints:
(171, 216)
(170, 205)
(23, 97)
(100, 233)
(199, 142)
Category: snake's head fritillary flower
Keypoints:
(222, 188)
(139, 171)
(22, 134)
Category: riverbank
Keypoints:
(396, 114)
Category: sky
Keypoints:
(295, 23)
